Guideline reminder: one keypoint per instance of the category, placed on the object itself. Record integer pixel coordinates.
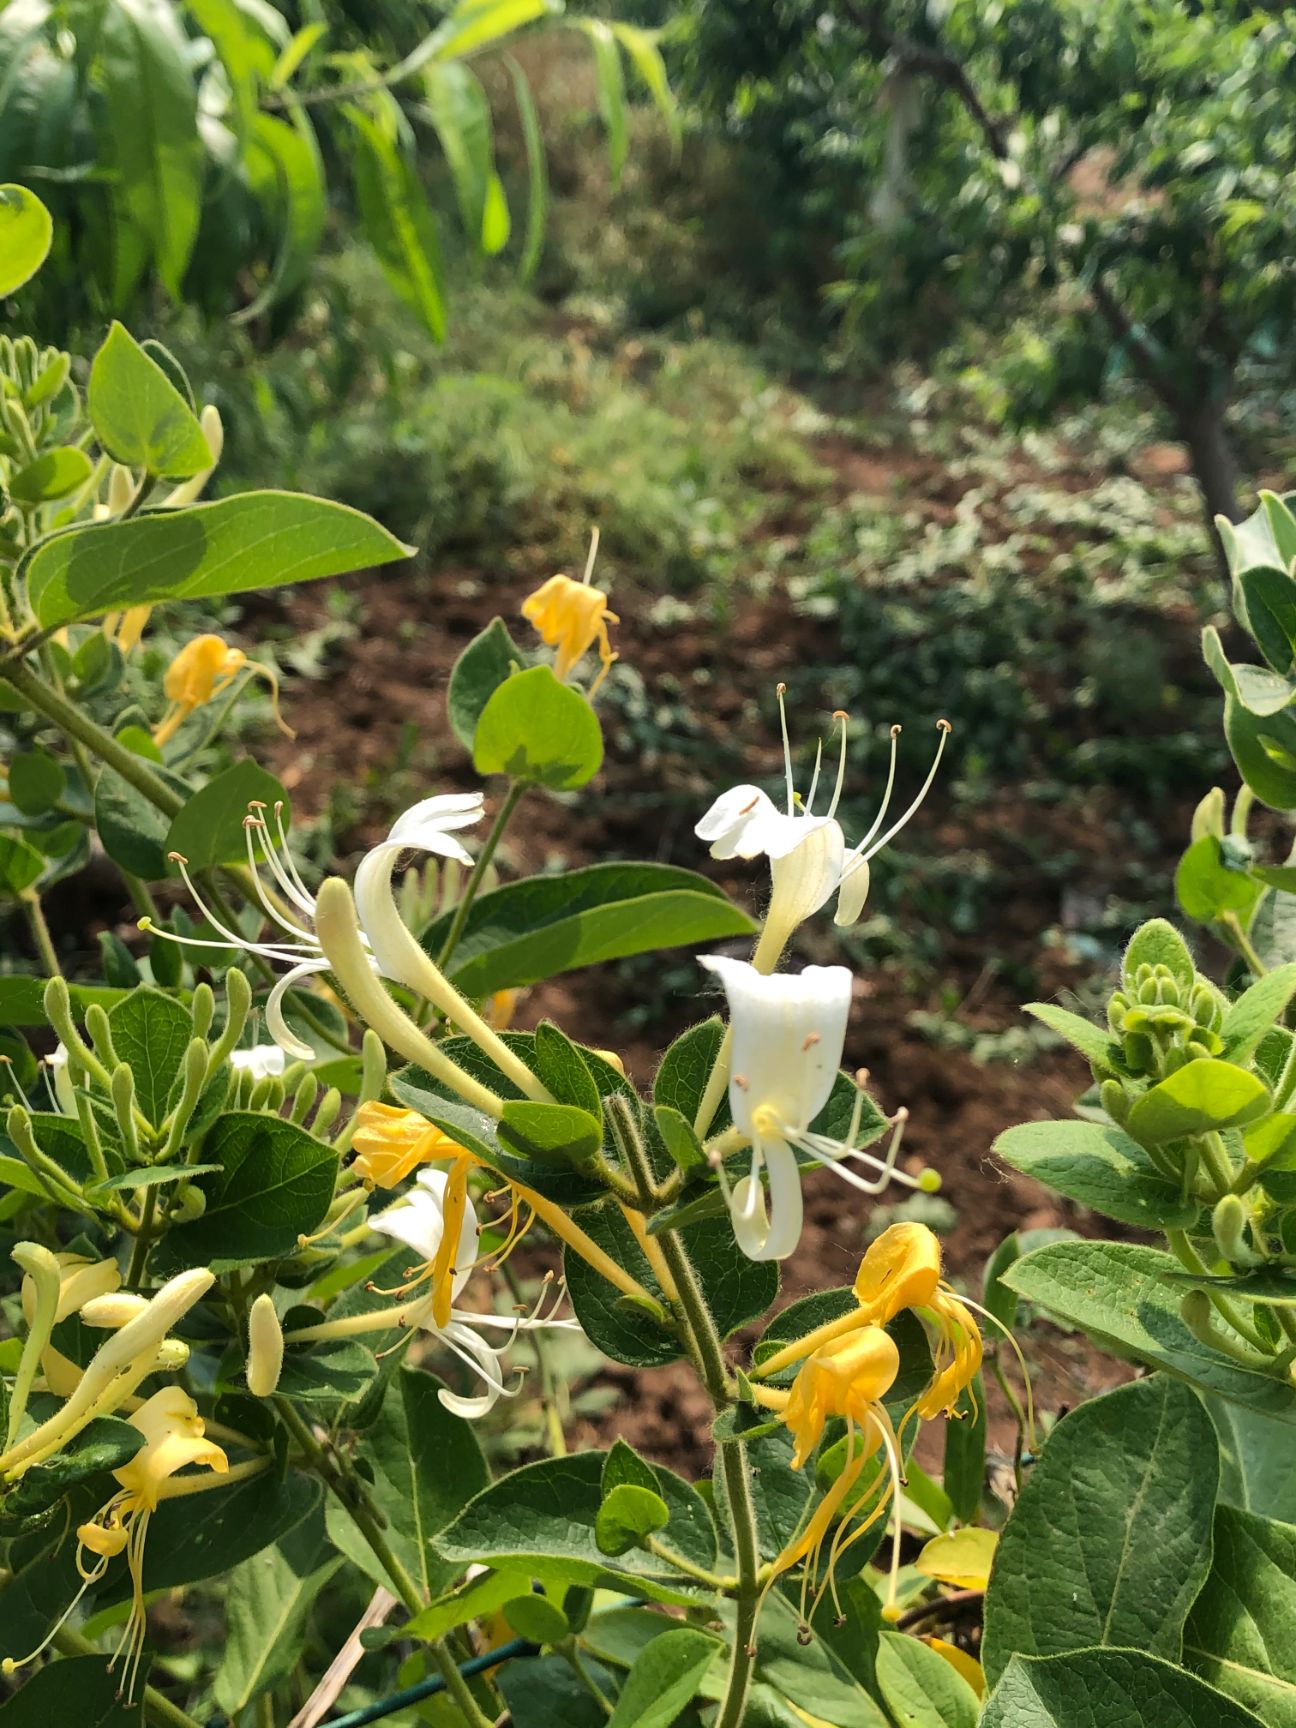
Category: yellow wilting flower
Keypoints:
(500, 1008)
(204, 669)
(174, 1437)
(572, 617)
(391, 1143)
(848, 1378)
(902, 1270)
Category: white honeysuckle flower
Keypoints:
(428, 826)
(262, 1061)
(808, 854)
(418, 1219)
(788, 1030)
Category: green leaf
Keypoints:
(275, 1184)
(921, 1689)
(209, 830)
(544, 925)
(551, 1133)
(139, 416)
(564, 1070)
(36, 781)
(236, 545)
(1201, 1096)
(1100, 1688)
(1256, 1012)
(1206, 887)
(1281, 523)
(246, 43)
(151, 1032)
(22, 1000)
(76, 1689)
(104, 1444)
(1127, 1296)
(208, 1535)
(1264, 751)
(546, 1692)
(1110, 1540)
(1269, 597)
(132, 829)
(488, 660)
(54, 474)
(535, 729)
(398, 220)
(737, 1289)
(461, 117)
(678, 1138)
(665, 1676)
(623, 1464)
(535, 1617)
(26, 230)
(641, 49)
(267, 1609)
(474, 23)
(548, 1511)
(1239, 1634)
(427, 1464)
(284, 160)
(965, 1453)
(1251, 544)
(20, 864)
(1255, 1473)
(157, 157)
(629, 1513)
(1093, 1042)
(1158, 943)
(1098, 1166)
(537, 173)
(819, 1679)
(611, 92)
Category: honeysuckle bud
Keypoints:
(1208, 817)
(115, 1311)
(1230, 1223)
(172, 1355)
(188, 1203)
(265, 1348)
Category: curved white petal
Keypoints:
(853, 893)
(428, 823)
(788, 1030)
(732, 826)
(748, 1217)
(784, 1202)
(459, 1337)
(276, 1025)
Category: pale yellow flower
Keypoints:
(572, 617)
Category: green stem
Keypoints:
(36, 923)
(75, 725)
(712, 1580)
(143, 1241)
(1189, 1258)
(479, 869)
(1216, 1159)
(352, 1499)
(571, 1651)
(1233, 924)
(157, 1708)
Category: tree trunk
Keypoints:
(1214, 468)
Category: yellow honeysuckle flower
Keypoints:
(572, 617)
(500, 1008)
(843, 1379)
(902, 1270)
(961, 1663)
(847, 1378)
(961, 1557)
(391, 1143)
(204, 669)
(174, 1438)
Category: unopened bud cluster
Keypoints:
(1161, 1025)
